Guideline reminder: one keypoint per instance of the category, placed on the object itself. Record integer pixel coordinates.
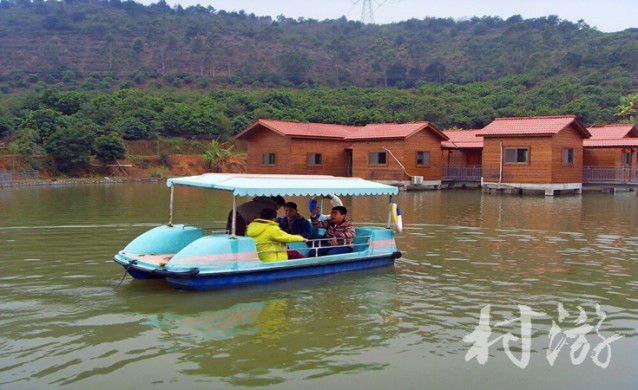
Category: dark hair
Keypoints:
(279, 200)
(291, 205)
(340, 209)
(268, 213)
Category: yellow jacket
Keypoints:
(270, 239)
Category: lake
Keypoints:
(493, 291)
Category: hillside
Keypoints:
(177, 157)
(78, 78)
(97, 45)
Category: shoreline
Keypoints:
(59, 182)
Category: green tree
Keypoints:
(68, 103)
(132, 128)
(44, 122)
(26, 142)
(70, 147)
(178, 119)
(239, 123)
(295, 66)
(109, 148)
(6, 126)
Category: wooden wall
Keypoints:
(335, 157)
(463, 157)
(567, 138)
(606, 157)
(405, 151)
(267, 141)
(546, 159)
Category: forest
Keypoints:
(77, 77)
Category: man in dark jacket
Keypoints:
(293, 222)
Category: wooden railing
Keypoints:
(609, 175)
(19, 175)
(462, 173)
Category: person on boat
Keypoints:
(270, 239)
(249, 211)
(293, 222)
(339, 232)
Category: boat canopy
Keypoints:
(242, 184)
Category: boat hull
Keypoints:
(202, 281)
(143, 258)
(190, 260)
(138, 272)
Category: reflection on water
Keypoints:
(303, 332)
(65, 320)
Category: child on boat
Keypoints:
(339, 232)
(270, 239)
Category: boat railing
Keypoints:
(214, 230)
(208, 230)
(359, 244)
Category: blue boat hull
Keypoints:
(142, 274)
(203, 282)
(139, 272)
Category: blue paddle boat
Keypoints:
(191, 258)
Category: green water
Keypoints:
(67, 319)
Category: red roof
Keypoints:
(299, 129)
(613, 131)
(532, 126)
(343, 132)
(619, 135)
(391, 130)
(463, 139)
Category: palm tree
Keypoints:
(220, 156)
(628, 107)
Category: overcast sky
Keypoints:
(605, 15)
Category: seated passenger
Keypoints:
(249, 211)
(293, 222)
(269, 238)
(339, 232)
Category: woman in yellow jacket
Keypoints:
(269, 238)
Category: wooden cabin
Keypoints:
(610, 155)
(534, 153)
(274, 146)
(399, 153)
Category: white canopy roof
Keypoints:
(241, 184)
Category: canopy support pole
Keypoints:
(233, 229)
(170, 207)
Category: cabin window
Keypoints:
(268, 159)
(315, 159)
(377, 158)
(423, 159)
(568, 156)
(627, 159)
(517, 155)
